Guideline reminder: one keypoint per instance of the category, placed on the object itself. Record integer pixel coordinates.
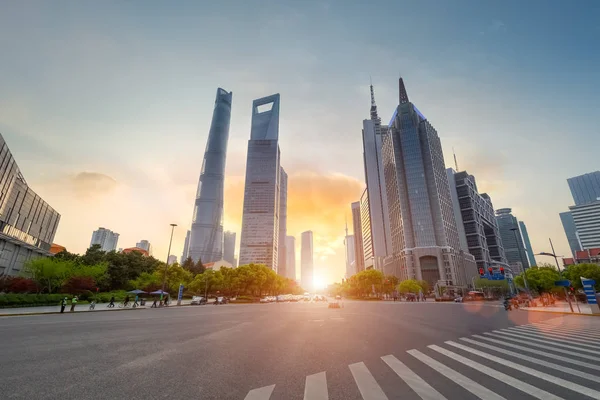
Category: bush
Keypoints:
(79, 285)
(28, 300)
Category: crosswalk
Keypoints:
(550, 360)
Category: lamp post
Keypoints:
(167, 263)
(515, 229)
(553, 254)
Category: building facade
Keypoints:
(306, 261)
(568, 223)
(105, 238)
(206, 236)
(260, 219)
(365, 226)
(290, 257)
(476, 220)
(186, 246)
(27, 223)
(585, 188)
(172, 259)
(587, 222)
(527, 242)
(512, 240)
(582, 222)
(282, 253)
(350, 254)
(359, 257)
(424, 235)
(144, 244)
(229, 247)
(372, 135)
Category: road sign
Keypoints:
(564, 282)
(180, 294)
(589, 290)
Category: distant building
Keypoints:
(172, 259)
(217, 265)
(260, 218)
(290, 257)
(229, 247)
(144, 244)
(568, 224)
(582, 222)
(587, 222)
(365, 225)
(528, 248)
(143, 252)
(350, 254)
(186, 246)
(106, 238)
(281, 251)
(512, 240)
(306, 261)
(359, 257)
(590, 256)
(585, 188)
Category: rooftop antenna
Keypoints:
(455, 162)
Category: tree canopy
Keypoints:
(575, 272)
(409, 286)
(539, 279)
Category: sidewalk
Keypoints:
(79, 308)
(562, 307)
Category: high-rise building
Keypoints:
(372, 136)
(290, 257)
(359, 257)
(585, 188)
(260, 219)
(186, 246)
(306, 261)
(106, 238)
(587, 222)
(512, 240)
(365, 225)
(27, 222)
(527, 242)
(144, 244)
(350, 254)
(282, 254)
(424, 235)
(476, 222)
(206, 237)
(172, 259)
(229, 247)
(568, 224)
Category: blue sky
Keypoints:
(107, 105)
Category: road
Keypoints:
(366, 350)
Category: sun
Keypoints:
(319, 282)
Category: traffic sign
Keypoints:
(589, 290)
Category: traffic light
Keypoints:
(481, 272)
(502, 270)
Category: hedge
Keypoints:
(34, 300)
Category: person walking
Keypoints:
(63, 304)
(111, 303)
(135, 301)
(73, 303)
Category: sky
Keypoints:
(106, 106)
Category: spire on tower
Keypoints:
(402, 90)
(374, 115)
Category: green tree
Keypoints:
(188, 264)
(409, 286)
(576, 271)
(539, 279)
(93, 255)
(424, 286)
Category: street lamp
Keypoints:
(515, 229)
(167, 263)
(553, 254)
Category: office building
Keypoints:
(475, 219)
(172, 259)
(282, 253)
(359, 259)
(306, 261)
(424, 236)
(350, 254)
(186, 245)
(206, 236)
(527, 242)
(229, 247)
(144, 244)
(512, 240)
(260, 219)
(106, 238)
(27, 223)
(372, 135)
(290, 257)
(566, 218)
(365, 226)
(585, 188)
(587, 222)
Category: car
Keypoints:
(198, 301)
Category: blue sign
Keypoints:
(589, 290)
(180, 294)
(564, 282)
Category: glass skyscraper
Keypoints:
(512, 240)
(306, 261)
(585, 188)
(282, 263)
(206, 235)
(582, 222)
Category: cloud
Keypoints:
(92, 184)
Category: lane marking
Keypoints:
(564, 333)
(554, 342)
(368, 386)
(541, 353)
(547, 364)
(467, 383)
(316, 387)
(502, 377)
(263, 393)
(559, 337)
(538, 374)
(416, 383)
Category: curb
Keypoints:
(560, 312)
(67, 312)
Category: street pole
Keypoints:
(524, 269)
(167, 263)
(560, 274)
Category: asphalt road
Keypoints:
(366, 350)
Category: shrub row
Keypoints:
(32, 300)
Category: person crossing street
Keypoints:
(63, 304)
(73, 303)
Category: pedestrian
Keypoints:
(154, 305)
(73, 303)
(135, 302)
(111, 304)
(63, 304)
(166, 300)
(126, 301)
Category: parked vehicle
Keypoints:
(198, 301)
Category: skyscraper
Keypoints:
(260, 219)
(144, 244)
(229, 247)
(372, 136)
(425, 240)
(206, 237)
(306, 261)
(350, 254)
(106, 238)
(587, 222)
(172, 259)
(290, 257)
(359, 256)
(186, 245)
(366, 234)
(527, 242)
(585, 214)
(282, 254)
(568, 224)
(585, 188)
(512, 240)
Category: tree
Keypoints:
(198, 268)
(188, 264)
(93, 255)
(424, 286)
(409, 286)
(78, 285)
(539, 279)
(48, 272)
(575, 272)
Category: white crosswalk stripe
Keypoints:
(562, 358)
